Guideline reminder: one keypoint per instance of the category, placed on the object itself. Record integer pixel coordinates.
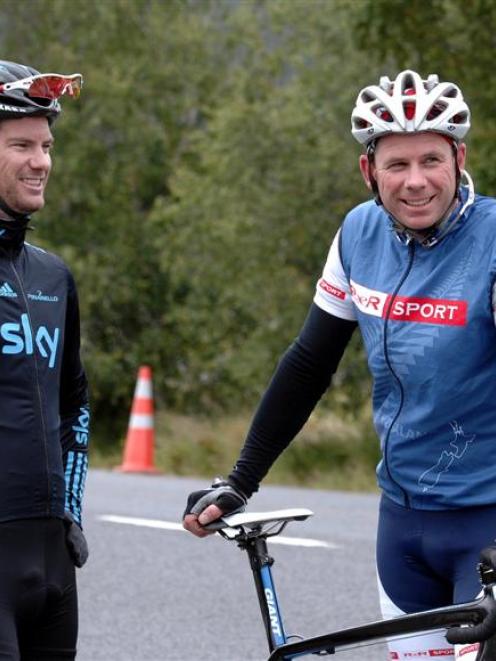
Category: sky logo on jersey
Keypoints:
(6, 291)
(81, 428)
(440, 311)
(20, 338)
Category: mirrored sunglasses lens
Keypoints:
(40, 88)
(76, 85)
(52, 87)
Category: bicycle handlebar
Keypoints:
(481, 631)
(485, 629)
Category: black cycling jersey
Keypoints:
(301, 378)
(44, 423)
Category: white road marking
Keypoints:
(170, 525)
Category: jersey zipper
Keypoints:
(37, 383)
(411, 255)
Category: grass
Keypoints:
(329, 453)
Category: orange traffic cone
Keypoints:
(140, 439)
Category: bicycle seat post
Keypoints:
(250, 532)
(260, 563)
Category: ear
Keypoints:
(461, 155)
(365, 170)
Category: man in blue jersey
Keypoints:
(415, 269)
(44, 417)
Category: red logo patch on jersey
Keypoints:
(469, 649)
(430, 310)
(422, 654)
(331, 289)
(440, 311)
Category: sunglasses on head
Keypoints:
(47, 85)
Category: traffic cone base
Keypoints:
(140, 439)
(138, 453)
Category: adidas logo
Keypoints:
(6, 290)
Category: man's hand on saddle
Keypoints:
(208, 505)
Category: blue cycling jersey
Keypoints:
(426, 310)
(426, 315)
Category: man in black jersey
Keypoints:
(44, 417)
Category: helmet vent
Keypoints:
(407, 84)
(437, 110)
(366, 97)
(451, 93)
(359, 123)
(460, 118)
(383, 113)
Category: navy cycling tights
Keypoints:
(38, 599)
(428, 559)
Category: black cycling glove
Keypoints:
(76, 541)
(485, 630)
(222, 493)
(487, 565)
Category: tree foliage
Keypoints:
(453, 38)
(200, 178)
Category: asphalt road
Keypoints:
(152, 592)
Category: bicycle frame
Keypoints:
(461, 614)
(251, 532)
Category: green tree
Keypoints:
(150, 68)
(197, 182)
(460, 48)
(250, 220)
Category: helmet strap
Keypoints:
(458, 174)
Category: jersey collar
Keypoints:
(12, 232)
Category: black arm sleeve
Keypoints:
(74, 409)
(301, 378)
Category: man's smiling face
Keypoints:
(416, 176)
(25, 162)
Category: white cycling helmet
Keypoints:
(409, 104)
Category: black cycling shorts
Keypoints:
(38, 598)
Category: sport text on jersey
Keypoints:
(444, 312)
(332, 289)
